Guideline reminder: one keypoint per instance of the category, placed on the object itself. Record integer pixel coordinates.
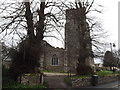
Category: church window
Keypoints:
(54, 60)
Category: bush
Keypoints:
(25, 86)
(25, 59)
(67, 80)
(7, 79)
(84, 70)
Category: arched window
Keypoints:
(54, 60)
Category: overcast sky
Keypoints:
(109, 18)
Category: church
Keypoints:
(62, 60)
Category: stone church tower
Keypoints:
(72, 40)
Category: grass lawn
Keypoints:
(52, 71)
(25, 86)
(99, 73)
(105, 73)
(80, 76)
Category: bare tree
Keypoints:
(34, 20)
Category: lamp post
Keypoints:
(112, 45)
(113, 53)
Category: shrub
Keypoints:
(84, 70)
(25, 58)
(67, 80)
(25, 86)
(7, 79)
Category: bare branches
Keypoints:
(11, 18)
(38, 17)
(29, 18)
(88, 7)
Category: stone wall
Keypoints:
(49, 51)
(87, 81)
(31, 79)
(81, 82)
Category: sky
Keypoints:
(109, 20)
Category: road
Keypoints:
(115, 84)
(56, 80)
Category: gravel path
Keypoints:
(56, 74)
(55, 82)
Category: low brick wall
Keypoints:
(87, 81)
(31, 79)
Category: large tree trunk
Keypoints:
(40, 26)
(33, 42)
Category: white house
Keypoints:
(98, 61)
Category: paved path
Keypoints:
(56, 74)
(115, 84)
(55, 80)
